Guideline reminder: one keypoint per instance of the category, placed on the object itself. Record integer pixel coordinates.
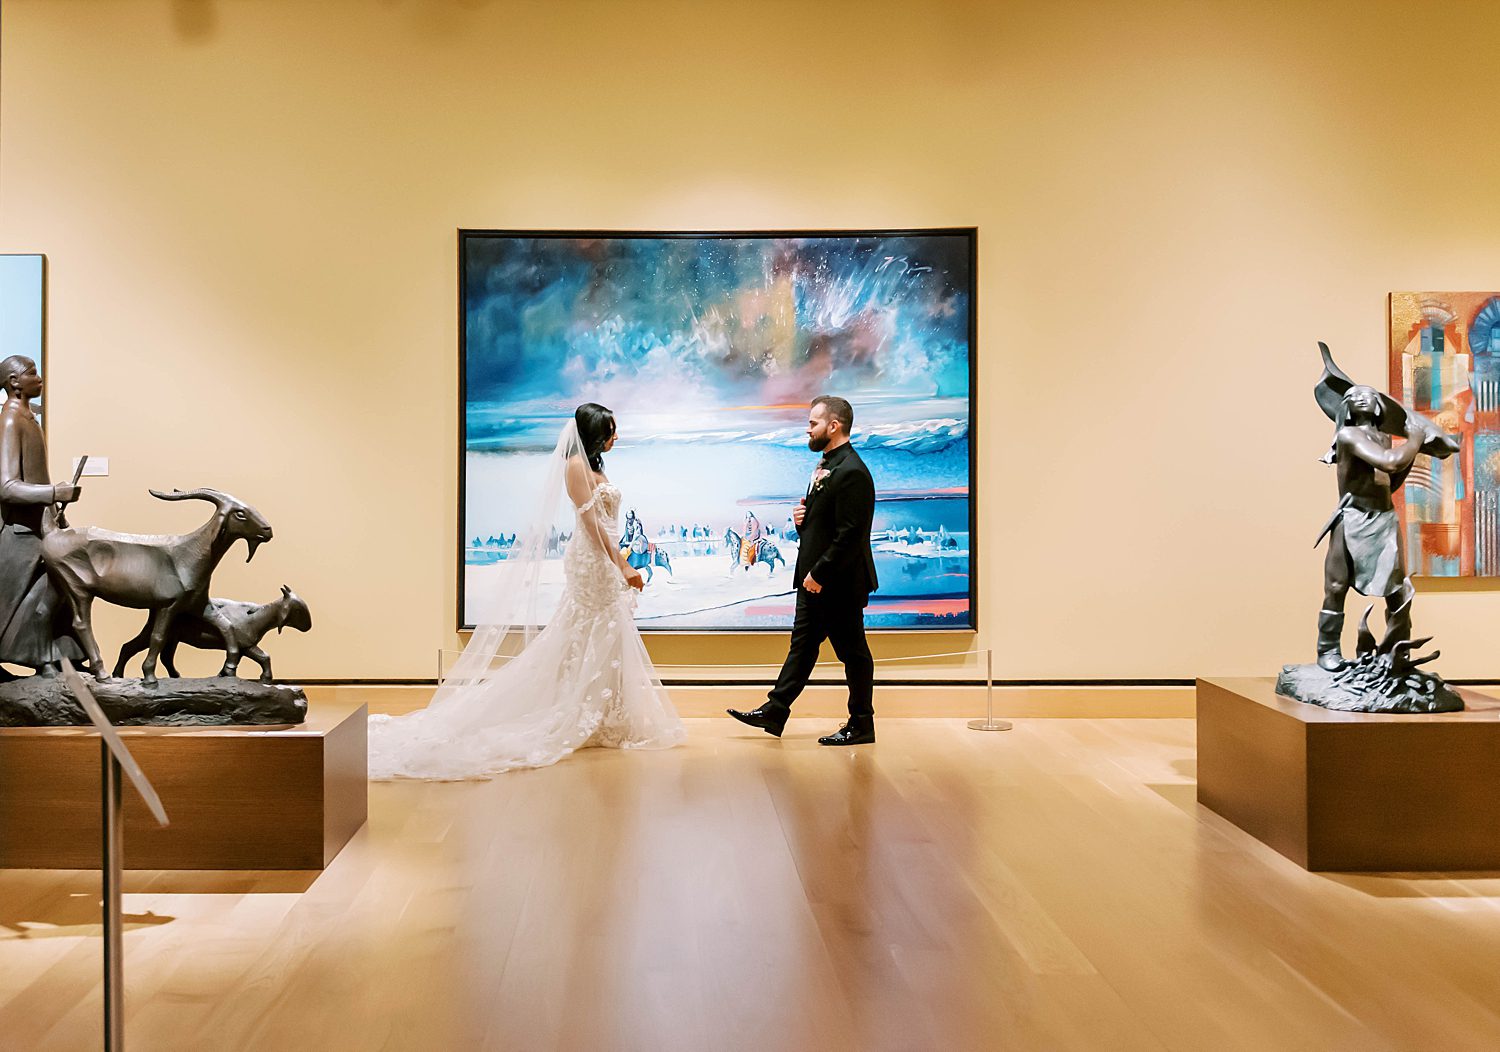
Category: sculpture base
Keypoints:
(38, 701)
(1353, 790)
(261, 798)
(1415, 692)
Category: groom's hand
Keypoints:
(812, 586)
(799, 513)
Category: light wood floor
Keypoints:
(1055, 887)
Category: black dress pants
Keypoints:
(840, 619)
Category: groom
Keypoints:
(835, 573)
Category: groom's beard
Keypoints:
(817, 445)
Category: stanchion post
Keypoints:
(114, 760)
(989, 723)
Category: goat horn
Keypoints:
(193, 494)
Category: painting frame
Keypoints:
(970, 234)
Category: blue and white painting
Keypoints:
(708, 349)
(22, 308)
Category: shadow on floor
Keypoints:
(1181, 795)
(1478, 886)
(75, 916)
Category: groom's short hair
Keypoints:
(838, 408)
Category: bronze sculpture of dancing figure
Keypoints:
(1365, 553)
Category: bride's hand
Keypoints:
(634, 579)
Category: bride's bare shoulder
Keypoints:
(581, 470)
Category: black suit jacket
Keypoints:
(835, 532)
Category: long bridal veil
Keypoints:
(533, 683)
(514, 610)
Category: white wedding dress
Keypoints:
(583, 680)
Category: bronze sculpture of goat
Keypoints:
(167, 574)
(236, 628)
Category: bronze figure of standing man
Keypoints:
(29, 503)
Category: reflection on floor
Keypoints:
(1055, 887)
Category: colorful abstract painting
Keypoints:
(708, 349)
(1445, 362)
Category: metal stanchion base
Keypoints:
(990, 724)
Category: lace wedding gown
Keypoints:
(584, 680)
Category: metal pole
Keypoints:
(989, 723)
(113, 874)
(115, 760)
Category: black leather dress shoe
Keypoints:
(768, 718)
(860, 730)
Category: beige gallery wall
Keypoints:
(249, 209)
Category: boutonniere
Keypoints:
(819, 477)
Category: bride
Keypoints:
(583, 680)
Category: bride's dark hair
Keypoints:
(595, 425)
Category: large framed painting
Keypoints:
(708, 349)
(23, 309)
(1445, 362)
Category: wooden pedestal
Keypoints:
(237, 797)
(1353, 790)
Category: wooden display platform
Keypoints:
(1353, 790)
(286, 797)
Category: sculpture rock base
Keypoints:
(1366, 690)
(46, 702)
